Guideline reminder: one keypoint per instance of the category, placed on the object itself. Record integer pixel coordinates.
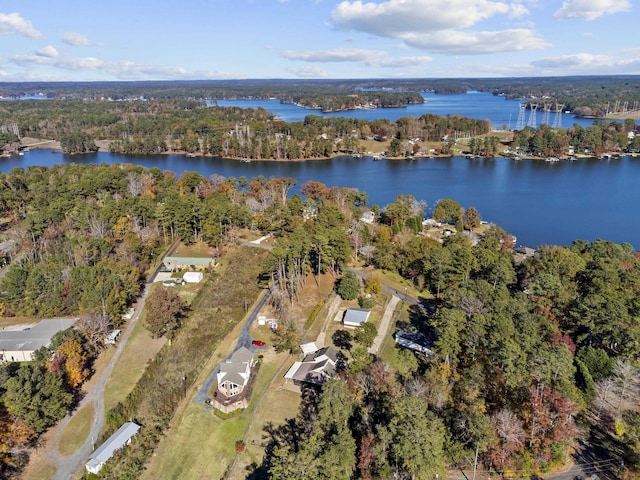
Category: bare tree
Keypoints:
(97, 226)
(625, 376)
(94, 328)
(508, 428)
(134, 184)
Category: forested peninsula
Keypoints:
(533, 354)
(187, 126)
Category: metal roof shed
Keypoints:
(115, 442)
(354, 317)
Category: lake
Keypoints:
(538, 202)
(502, 112)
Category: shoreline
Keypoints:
(103, 147)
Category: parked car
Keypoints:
(258, 343)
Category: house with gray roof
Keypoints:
(19, 345)
(315, 368)
(233, 379)
(115, 442)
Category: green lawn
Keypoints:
(140, 349)
(201, 445)
(77, 430)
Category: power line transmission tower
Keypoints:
(557, 120)
(520, 122)
(545, 116)
(533, 116)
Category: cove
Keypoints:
(538, 202)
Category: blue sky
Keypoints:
(90, 40)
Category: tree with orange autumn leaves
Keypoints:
(71, 358)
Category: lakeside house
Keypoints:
(19, 345)
(234, 379)
(315, 368)
(115, 442)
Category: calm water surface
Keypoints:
(539, 202)
(481, 105)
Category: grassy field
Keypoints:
(76, 431)
(43, 471)
(277, 405)
(196, 250)
(141, 348)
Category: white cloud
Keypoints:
(77, 39)
(308, 72)
(86, 63)
(592, 9)
(334, 55)
(47, 51)
(518, 11)
(472, 43)
(394, 17)
(13, 23)
(588, 63)
(371, 58)
(399, 62)
(121, 70)
(440, 26)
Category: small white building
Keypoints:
(115, 442)
(192, 277)
(112, 337)
(368, 217)
(354, 317)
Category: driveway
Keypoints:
(244, 340)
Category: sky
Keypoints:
(115, 40)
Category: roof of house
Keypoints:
(526, 251)
(356, 316)
(413, 341)
(115, 442)
(235, 367)
(315, 368)
(113, 335)
(35, 337)
(188, 260)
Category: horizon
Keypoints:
(315, 40)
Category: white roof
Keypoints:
(115, 442)
(356, 316)
(308, 348)
(113, 335)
